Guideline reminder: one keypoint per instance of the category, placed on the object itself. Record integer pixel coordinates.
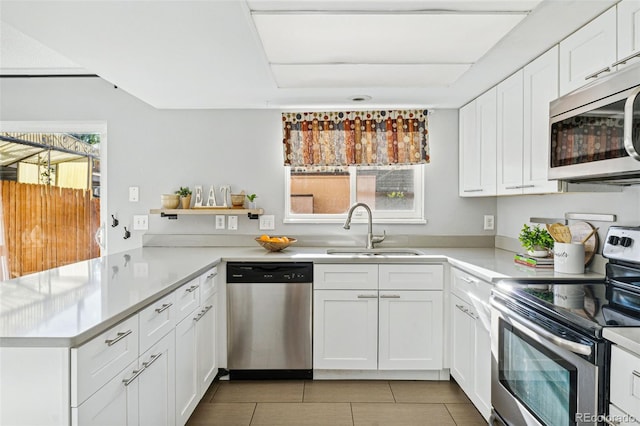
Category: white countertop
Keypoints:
(626, 337)
(69, 305)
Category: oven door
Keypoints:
(538, 378)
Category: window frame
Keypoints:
(415, 216)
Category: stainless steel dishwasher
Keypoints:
(269, 320)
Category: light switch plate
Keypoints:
(232, 223)
(220, 222)
(489, 222)
(140, 222)
(267, 222)
(133, 194)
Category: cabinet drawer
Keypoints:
(187, 299)
(625, 381)
(411, 277)
(620, 418)
(464, 284)
(156, 320)
(345, 277)
(208, 283)
(97, 361)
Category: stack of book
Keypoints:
(533, 262)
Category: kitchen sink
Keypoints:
(374, 252)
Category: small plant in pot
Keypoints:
(185, 197)
(536, 240)
(252, 200)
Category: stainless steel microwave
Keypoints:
(595, 131)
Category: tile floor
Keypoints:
(335, 403)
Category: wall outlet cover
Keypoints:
(267, 222)
(134, 194)
(489, 222)
(140, 222)
(220, 222)
(232, 223)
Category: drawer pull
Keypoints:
(202, 312)
(211, 276)
(164, 307)
(121, 335)
(636, 373)
(390, 296)
(597, 73)
(473, 190)
(469, 280)
(136, 373)
(367, 296)
(151, 360)
(625, 60)
(192, 288)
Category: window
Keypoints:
(324, 195)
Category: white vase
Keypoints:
(251, 205)
(538, 252)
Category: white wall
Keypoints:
(160, 150)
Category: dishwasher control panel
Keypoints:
(269, 272)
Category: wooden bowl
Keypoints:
(170, 201)
(275, 246)
(237, 200)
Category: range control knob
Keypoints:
(613, 240)
(625, 241)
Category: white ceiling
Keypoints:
(287, 54)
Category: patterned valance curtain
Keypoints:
(355, 138)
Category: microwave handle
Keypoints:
(628, 124)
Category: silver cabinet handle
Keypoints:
(212, 276)
(390, 296)
(636, 373)
(192, 288)
(367, 296)
(597, 73)
(202, 312)
(611, 422)
(469, 280)
(473, 190)
(628, 121)
(121, 335)
(164, 307)
(625, 60)
(153, 359)
(519, 186)
(136, 373)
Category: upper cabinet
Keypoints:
(477, 156)
(628, 32)
(509, 135)
(589, 52)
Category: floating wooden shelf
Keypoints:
(174, 213)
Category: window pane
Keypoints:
(314, 192)
(386, 188)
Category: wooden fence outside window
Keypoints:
(47, 226)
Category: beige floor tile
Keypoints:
(223, 414)
(208, 395)
(465, 415)
(366, 414)
(302, 414)
(259, 391)
(437, 392)
(347, 391)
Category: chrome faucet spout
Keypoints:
(370, 238)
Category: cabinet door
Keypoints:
(509, 136)
(487, 132)
(345, 329)
(590, 49)
(206, 338)
(629, 30)
(345, 277)
(410, 330)
(462, 331)
(469, 152)
(187, 299)
(540, 88)
(186, 368)
(481, 368)
(157, 382)
(115, 403)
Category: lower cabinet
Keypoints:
(142, 394)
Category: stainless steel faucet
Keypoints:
(371, 239)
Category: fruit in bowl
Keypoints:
(275, 243)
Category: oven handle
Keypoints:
(527, 327)
(628, 124)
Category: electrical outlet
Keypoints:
(133, 194)
(220, 222)
(232, 223)
(488, 222)
(267, 222)
(140, 222)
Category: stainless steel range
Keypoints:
(549, 359)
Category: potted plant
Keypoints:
(536, 240)
(185, 197)
(252, 202)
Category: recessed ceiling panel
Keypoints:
(366, 75)
(316, 38)
(386, 5)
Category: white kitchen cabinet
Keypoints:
(628, 31)
(477, 156)
(345, 329)
(462, 362)
(617, 417)
(589, 52)
(410, 324)
(186, 368)
(625, 381)
(393, 320)
(509, 149)
(540, 88)
(207, 347)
